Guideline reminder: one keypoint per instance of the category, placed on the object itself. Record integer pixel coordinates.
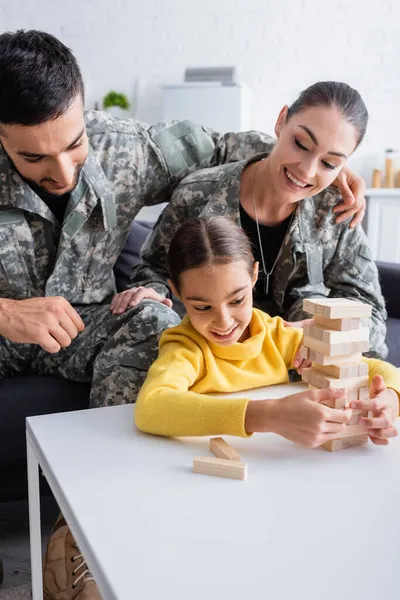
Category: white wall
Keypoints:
(278, 46)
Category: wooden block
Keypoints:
(338, 403)
(352, 430)
(356, 415)
(221, 449)
(344, 370)
(352, 395)
(205, 465)
(338, 324)
(363, 393)
(325, 360)
(344, 443)
(334, 350)
(304, 352)
(321, 380)
(337, 308)
(331, 336)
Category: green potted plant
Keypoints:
(116, 103)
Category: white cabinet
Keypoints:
(383, 223)
(221, 107)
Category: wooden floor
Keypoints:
(14, 539)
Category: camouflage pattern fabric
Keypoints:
(129, 165)
(319, 258)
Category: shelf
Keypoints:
(370, 192)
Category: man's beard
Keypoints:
(41, 190)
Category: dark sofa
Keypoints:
(25, 396)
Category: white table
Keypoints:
(307, 524)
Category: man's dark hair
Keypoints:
(39, 78)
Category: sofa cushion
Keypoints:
(393, 341)
(130, 255)
(22, 397)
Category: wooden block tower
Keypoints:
(334, 342)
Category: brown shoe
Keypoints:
(65, 572)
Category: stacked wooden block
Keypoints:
(334, 342)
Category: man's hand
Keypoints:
(384, 406)
(52, 322)
(130, 298)
(352, 190)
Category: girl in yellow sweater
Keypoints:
(223, 344)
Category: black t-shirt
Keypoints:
(272, 240)
(57, 204)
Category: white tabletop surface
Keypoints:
(307, 524)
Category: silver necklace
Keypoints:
(266, 273)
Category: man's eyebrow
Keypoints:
(200, 299)
(35, 155)
(314, 139)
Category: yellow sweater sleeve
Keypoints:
(166, 406)
(286, 339)
(390, 374)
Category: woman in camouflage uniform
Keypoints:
(285, 202)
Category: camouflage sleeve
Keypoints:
(352, 273)
(152, 270)
(178, 148)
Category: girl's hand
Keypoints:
(300, 363)
(352, 190)
(297, 324)
(301, 418)
(384, 406)
(132, 297)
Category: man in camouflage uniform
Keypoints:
(70, 186)
(318, 257)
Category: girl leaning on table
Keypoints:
(224, 345)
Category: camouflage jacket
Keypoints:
(318, 256)
(129, 166)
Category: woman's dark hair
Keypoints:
(211, 240)
(334, 93)
(39, 78)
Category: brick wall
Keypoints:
(278, 46)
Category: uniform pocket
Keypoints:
(361, 265)
(314, 265)
(15, 280)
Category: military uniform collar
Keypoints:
(92, 183)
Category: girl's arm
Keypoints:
(166, 406)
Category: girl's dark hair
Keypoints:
(39, 78)
(334, 93)
(211, 240)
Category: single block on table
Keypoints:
(221, 449)
(205, 465)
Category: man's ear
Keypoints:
(174, 290)
(281, 120)
(255, 274)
